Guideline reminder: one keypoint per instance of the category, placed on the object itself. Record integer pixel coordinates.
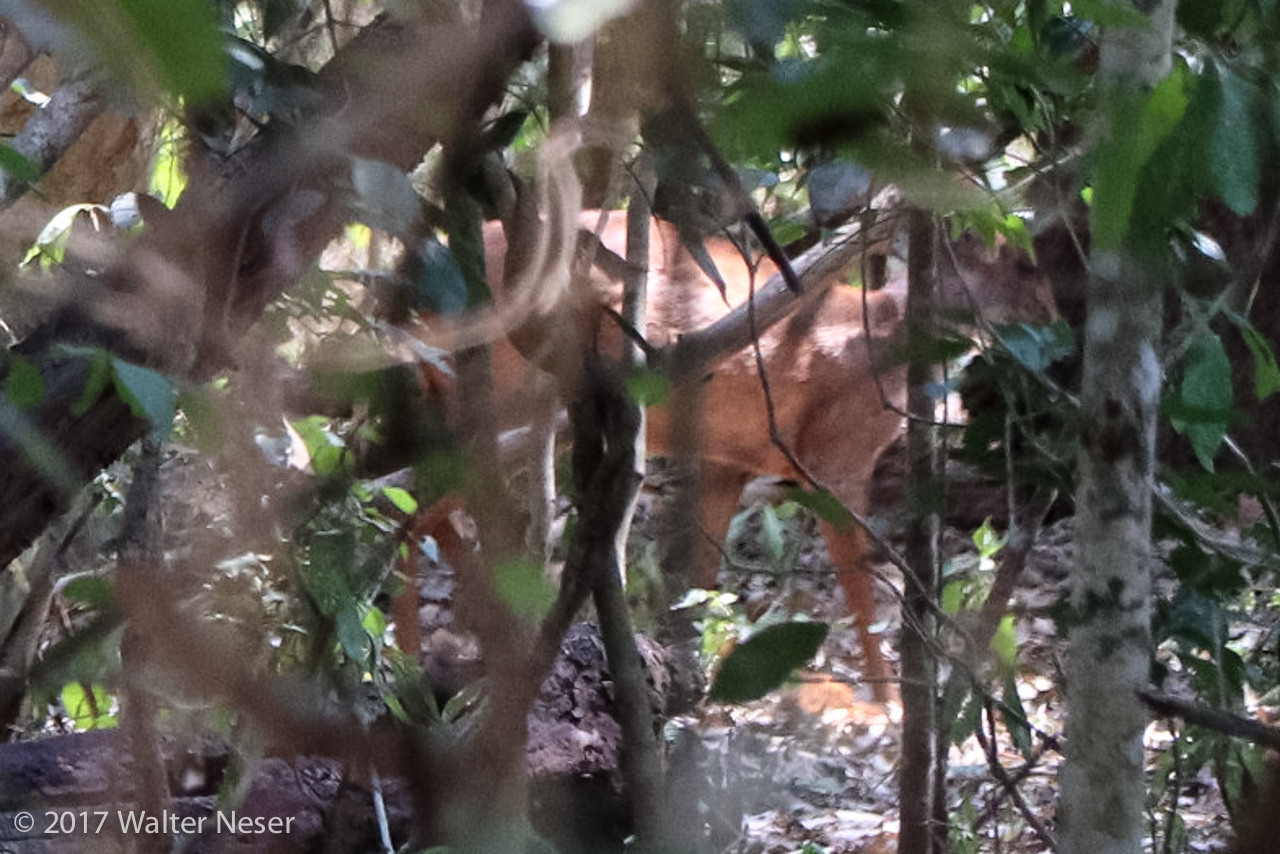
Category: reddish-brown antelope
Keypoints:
(834, 408)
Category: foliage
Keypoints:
(977, 112)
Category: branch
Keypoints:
(194, 282)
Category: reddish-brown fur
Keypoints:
(826, 391)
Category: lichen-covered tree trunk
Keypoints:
(1103, 785)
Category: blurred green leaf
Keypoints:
(1266, 374)
(1037, 347)
(403, 501)
(824, 505)
(149, 394)
(771, 532)
(524, 588)
(19, 168)
(1233, 148)
(648, 387)
(352, 637)
(764, 661)
(1138, 127)
(328, 576)
(89, 590)
(1014, 716)
(1206, 389)
(987, 539)
(1004, 643)
(89, 707)
(23, 385)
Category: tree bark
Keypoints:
(920, 735)
(1103, 785)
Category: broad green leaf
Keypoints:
(149, 394)
(761, 663)
(172, 44)
(403, 501)
(1233, 148)
(352, 637)
(182, 37)
(325, 449)
(1206, 387)
(89, 590)
(18, 167)
(331, 555)
(1138, 127)
(375, 623)
(437, 280)
(24, 385)
(963, 709)
(502, 131)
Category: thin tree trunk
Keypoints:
(919, 670)
(1103, 785)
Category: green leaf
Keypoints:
(18, 167)
(1233, 146)
(1106, 14)
(89, 590)
(1206, 388)
(403, 501)
(326, 450)
(375, 623)
(1014, 716)
(1266, 375)
(51, 243)
(760, 664)
(24, 385)
(987, 540)
(331, 554)
(352, 637)
(771, 532)
(97, 380)
(648, 387)
(1037, 347)
(524, 588)
(149, 394)
(1138, 127)
(182, 37)
(952, 596)
(824, 505)
(1004, 643)
(88, 707)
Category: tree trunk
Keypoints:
(919, 669)
(1103, 786)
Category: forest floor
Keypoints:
(813, 766)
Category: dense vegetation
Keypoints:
(234, 400)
